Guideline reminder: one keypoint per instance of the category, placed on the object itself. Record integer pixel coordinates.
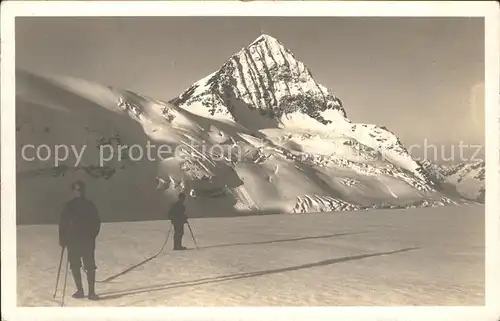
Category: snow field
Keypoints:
(432, 256)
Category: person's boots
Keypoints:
(91, 282)
(178, 240)
(77, 276)
(177, 243)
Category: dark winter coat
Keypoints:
(177, 214)
(79, 224)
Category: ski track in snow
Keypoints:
(432, 256)
(387, 187)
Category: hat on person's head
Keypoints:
(80, 184)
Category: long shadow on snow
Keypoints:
(231, 277)
(280, 240)
(133, 267)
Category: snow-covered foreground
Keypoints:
(429, 256)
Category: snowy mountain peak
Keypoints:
(264, 77)
(266, 38)
(264, 86)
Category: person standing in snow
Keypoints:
(79, 226)
(177, 215)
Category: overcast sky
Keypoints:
(421, 77)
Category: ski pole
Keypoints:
(65, 280)
(59, 271)
(192, 234)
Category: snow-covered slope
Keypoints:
(432, 256)
(467, 179)
(227, 167)
(75, 113)
(264, 86)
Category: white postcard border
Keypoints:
(487, 9)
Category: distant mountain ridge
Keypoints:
(468, 178)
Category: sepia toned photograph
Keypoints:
(258, 161)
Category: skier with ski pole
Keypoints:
(177, 216)
(79, 226)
